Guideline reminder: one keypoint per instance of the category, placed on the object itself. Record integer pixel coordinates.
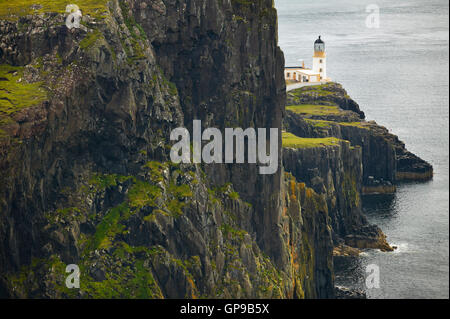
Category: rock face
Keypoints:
(385, 159)
(332, 149)
(335, 173)
(86, 173)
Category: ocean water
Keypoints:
(399, 75)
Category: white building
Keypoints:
(318, 72)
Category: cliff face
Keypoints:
(224, 58)
(385, 159)
(335, 173)
(329, 146)
(87, 178)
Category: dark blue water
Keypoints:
(399, 76)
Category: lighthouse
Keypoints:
(320, 59)
(296, 75)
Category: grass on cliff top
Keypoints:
(311, 109)
(320, 123)
(15, 93)
(292, 141)
(328, 124)
(355, 124)
(18, 8)
(321, 89)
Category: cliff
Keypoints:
(85, 121)
(385, 159)
(329, 146)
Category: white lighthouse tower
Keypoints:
(320, 59)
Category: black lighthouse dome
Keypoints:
(319, 45)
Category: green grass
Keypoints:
(143, 194)
(175, 207)
(90, 39)
(320, 90)
(320, 123)
(354, 124)
(328, 124)
(109, 227)
(234, 195)
(292, 141)
(16, 93)
(179, 191)
(241, 2)
(311, 109)
(18, 8)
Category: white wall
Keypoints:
(291, 74)
(317, 66)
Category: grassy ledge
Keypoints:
(362, 125)
(320, 123)
(292, 141)
(320, 90)
(16, 93)
(18, 8)
(329, 124)
(311, 109)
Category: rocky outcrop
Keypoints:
(332, 149)
(326, 94)
(341, 156)
(335, 172)
(385, 159)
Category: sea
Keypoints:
(392, 56)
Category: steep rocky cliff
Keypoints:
(85, 121)
(85, 124)
(385, 159)
(329, 146)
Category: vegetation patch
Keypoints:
(230, 232)
(362, 125)
(292, 141)
(320, 123)
(320, 90)
(143, 194)
(18, 8)
(90, 39)
(138, 35)
(312, 109)
(16, 93)
(109, 227)
(329, 124)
